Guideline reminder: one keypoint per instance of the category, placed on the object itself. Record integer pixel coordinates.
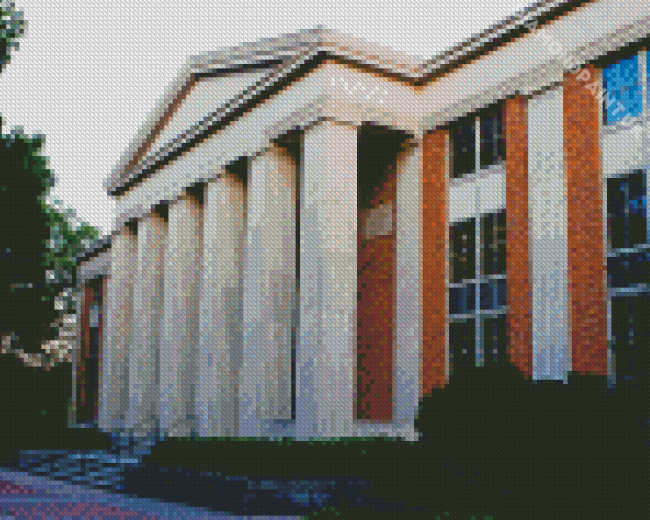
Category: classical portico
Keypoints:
(232, 310)
(233, 281)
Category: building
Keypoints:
(315, 232)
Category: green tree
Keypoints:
(39, 247)
(12, 26)
(26, 299)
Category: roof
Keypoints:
(286, 55)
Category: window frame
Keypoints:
(479, 280)
(642, 83)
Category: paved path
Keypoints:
(23, 496)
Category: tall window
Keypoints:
(477, 291)
(628, 276)
(623, 89)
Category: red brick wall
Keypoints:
(587, 290)
(376, 316)
(518, 295)
(434, 258)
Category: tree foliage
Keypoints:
(26, 299)
(12, 26)
(39, 246)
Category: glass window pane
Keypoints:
(631, 337)
(637, 209)
(464, 147)
(626, 211)
(462, 251)
(492, 295)
(462, 347)
(492, 141)
(628, 269)
(493, 244)
(462, 300)
(487, 295)
(622, 89)
(494, 339)
(501, 293)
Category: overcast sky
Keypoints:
(88, 74)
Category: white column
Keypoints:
(549, 240)
(269, 286)
(326, 351)
(408, 278)
(178, 351)
(220, 316)
(611, 372)
(114, 370)
(147, 310)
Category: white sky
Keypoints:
(87, 75)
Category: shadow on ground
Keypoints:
(494, 445)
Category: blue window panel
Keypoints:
(486, 296)
(455, 300)
(621, 84)
(501, 293)
(492, 295)
(628, 269)
(471, 297)
(462, 299)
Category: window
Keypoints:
(493, 244)
(626, 210)
(494, 338)
(463, 251)
(477, 291)
(492, 149)
(622, 89)
(631, 337)
(464, 147)
(628, 277)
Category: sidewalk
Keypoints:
(23, 496)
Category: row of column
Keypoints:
(556, 251)
(203, 307)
